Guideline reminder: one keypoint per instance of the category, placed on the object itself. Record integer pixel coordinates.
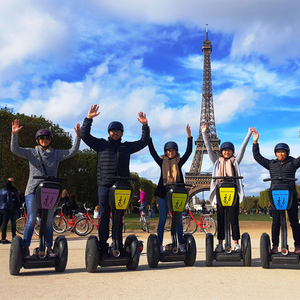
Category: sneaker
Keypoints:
(5, 242)
(297, 250)
(237, 247)
(26, 252)
(219, 248)
(181, 248)
(50, 252)
(274, 250)
(161, 249)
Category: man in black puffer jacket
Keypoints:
(284, 166)
(113, 160)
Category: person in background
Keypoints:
(143, 201)
(14, 214)
(5, 209)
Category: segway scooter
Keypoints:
(281, 197)
(176, 199)
(227, 196)
(48, 194)
(117, 255)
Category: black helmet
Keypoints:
(170, 145)
(115, 125)
(227, 145)
(43, 132)
(282, 146)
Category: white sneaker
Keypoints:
(161, 249)
(181, 248)
(219, 248)
(237, 247)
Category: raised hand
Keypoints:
(93, 112)
(15, 126)
(188, 131)
(77, 129)
(255, 136)
(142, 118)
(204, 127)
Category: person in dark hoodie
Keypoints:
(283, 166)
(113, 160)
(5, 209)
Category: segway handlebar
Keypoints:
(121, 178)
(178, 184)
(280, 178)
(227, 178)
(52, 178)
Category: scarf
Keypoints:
(226, 167)
(170, 169)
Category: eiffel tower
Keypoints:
(201, 181)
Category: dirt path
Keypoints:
(167, 281)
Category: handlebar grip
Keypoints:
(280, 178)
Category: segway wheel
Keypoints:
(61, 250)
(15, 256)
(153, 250)
(92, 254)
(191, 249)
(246, 249)
(265, 249)
(209, 246)
(132, 247)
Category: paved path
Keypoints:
(167, 281)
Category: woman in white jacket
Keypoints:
(227, 165)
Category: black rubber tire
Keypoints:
(59, 224)
(132, 247)
(153, 250)
(92, 253)
(189, 225)
(16, 255)
(209, 249)
(265, 249)
(61, 251)
(191, 249)
(210, 225)
(83, 227)
(246, 249)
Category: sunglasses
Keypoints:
(47, 138)
(116, 131)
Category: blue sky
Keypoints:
(57, 58)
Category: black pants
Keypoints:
(293, 218)
(4, 217)
(14, 215)
(233, 218)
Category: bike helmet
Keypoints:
(227, 145)
(43, 132)
(282, 146)
(115, 125)
(170, 145)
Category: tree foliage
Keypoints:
(250, 203)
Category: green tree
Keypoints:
(264, 200)
(250, 203)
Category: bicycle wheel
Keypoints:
(59, 224)
(20, 224)
(83, 227)
(209, 225)
(37, 226)
(144, 224)
(189, 225)
(168, 223)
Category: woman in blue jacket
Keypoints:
(5, 208)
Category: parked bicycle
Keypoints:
(21, 222)
(88, 222)
(143, 219)
(206, 223)
(62, 224)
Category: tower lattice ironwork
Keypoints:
(201, 181)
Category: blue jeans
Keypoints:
(144, 208)
(32, 212)
(163, 212)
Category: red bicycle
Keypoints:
(21, 222)
(206, 223)
(88, 222)
(62, 224)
